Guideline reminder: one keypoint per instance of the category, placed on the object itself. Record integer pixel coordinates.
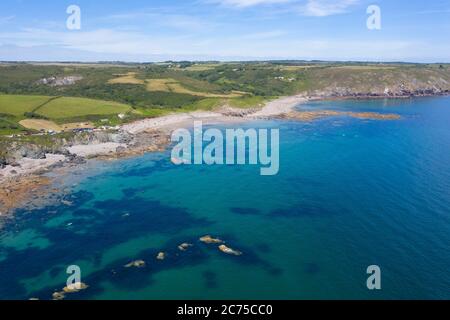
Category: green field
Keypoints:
(66, 108)
(150, 90)
(8, 127)
(15, 108)
(17, 105)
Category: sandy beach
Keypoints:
(180, 120)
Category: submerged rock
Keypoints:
(185, 246)
(227, 250)
(66, 203)
(208, 239)
(58, 295)
(161, 256)
(136, 264)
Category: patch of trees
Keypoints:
(34, 115)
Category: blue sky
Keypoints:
(156, 30)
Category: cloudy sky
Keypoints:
(156, 30)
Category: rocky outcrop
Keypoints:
(235, 112)
(161, 256)
(76, 287)
(229, 251)
(136, 264)
(320, 114)
(17, 149)
(60, 81)
(185, 246)
(400, 91)
(210, 240)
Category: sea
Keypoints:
(350, 194)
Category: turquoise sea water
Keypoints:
(350, 193)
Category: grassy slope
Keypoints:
(17, 105)
(60, 110)
(66, 107)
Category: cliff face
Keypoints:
(380, 82)
(388, 92)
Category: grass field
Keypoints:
(129, 78)
(9, 127)
(66, 108)
(17, 105)
(248, 102)
(19, 113)
(172, 85)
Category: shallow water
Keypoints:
(350, 193)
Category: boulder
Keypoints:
(184, 246)
(3, 163)
(210, 240)
(161, 256)
(58, 295)
(230, 251)
(136, 264)
(76, 287)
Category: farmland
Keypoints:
(18, 112)
(17, 105)
(67, 108)
(154, 89)
(171, 85)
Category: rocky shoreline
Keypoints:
(401, 92)
(22, 174)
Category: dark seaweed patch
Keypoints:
(106, 228)
(210, 278)
(301, 211)
(312, 268)
(245, 211)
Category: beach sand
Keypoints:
(181, 120)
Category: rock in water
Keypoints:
(136, 264)
(76, 287)
(185, 246)
(58, 295)
(161, 256)
(227, 250)
(208, 239)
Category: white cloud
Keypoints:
(247, 3)
(110, 44)
(315, 8)
(323, 8)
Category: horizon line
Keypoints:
(217, 61)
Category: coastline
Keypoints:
(28, 178)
